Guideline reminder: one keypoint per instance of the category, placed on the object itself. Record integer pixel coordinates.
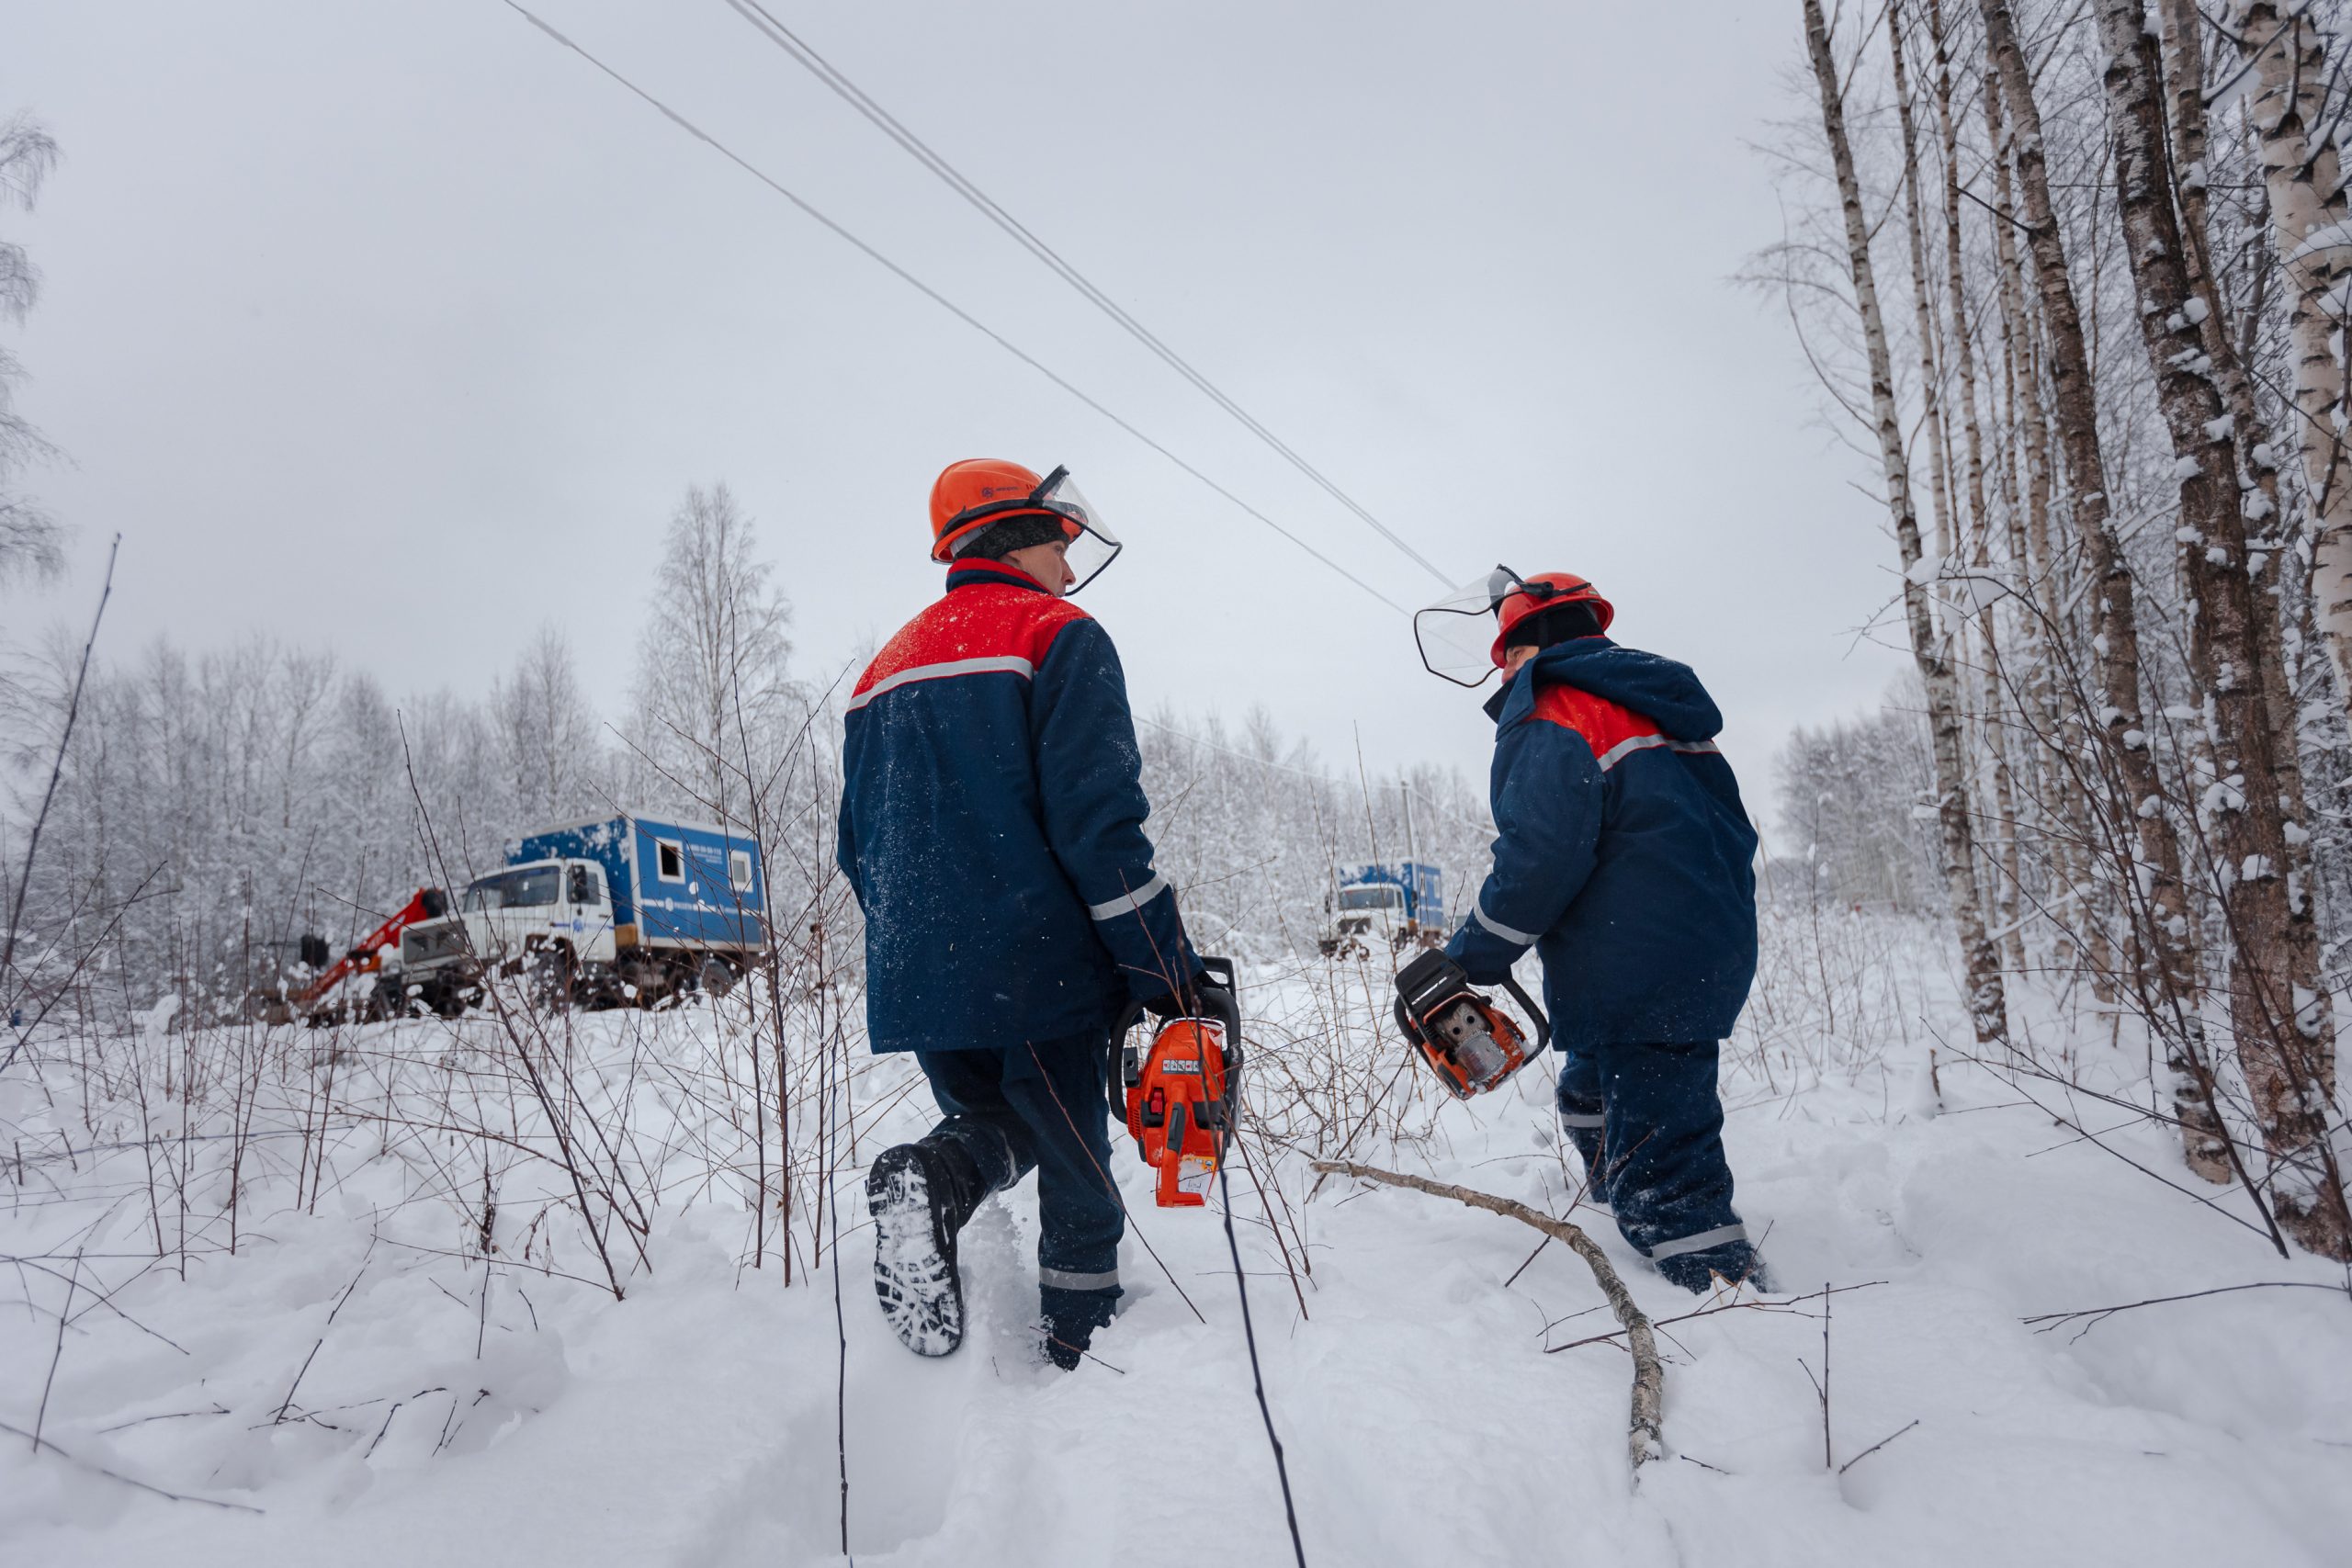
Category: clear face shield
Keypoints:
(1457, 635)
(1093, 547)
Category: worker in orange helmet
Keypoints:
(991, 826)
(1625, 859)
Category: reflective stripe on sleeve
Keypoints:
(1063, 1279)
(1127, 903)
(1478, 913)
(1008, 664)
(1577, 1119)
(1698, 1243)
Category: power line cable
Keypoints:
(935, 297)
(817, 65)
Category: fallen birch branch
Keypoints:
(1645, 1438)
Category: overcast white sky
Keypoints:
(397, 329)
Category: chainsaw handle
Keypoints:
(1543, 1024)
(1219, 998)
(1216, 978)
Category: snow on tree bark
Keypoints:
(2305, 179)
(2249, 839)
(1987, 1003)
(2140, 808)
(2185, 79)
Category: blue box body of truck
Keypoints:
(673, 884)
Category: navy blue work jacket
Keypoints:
(991, 826)
(1624, 855)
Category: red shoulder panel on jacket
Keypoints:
(1605, 726)
(1012, 628)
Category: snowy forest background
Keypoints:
(2072, 281)
(214, 805)
(2039, 1079)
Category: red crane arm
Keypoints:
(428, 905)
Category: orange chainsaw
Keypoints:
(1471, 1044)
(1184, 1090)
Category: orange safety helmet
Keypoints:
(1520, 597)
(969, 495)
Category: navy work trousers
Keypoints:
(1045, 1106)
(1649, 1125)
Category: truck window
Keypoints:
(587, 885)
(668, 861)
(1382, 897)
(531, 889)
(739, 870)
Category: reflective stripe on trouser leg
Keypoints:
(1700, 1243)
(1667, 1178)
(1063, 1279)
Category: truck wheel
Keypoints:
(595, 988)
(552, 974)
(716, 977)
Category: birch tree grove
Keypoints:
(2128, 266)
(1986, 1008)
(2241, 804)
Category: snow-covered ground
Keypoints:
(352, 1385)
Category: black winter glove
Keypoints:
(1171, 1004)
(1201, 998)
(1219, 1003)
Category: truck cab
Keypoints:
(558, 912)
(1391, 905)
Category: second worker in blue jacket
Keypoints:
(991, 826)
(1624, 857)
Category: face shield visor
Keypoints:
(1091, 547)
(1457, 635)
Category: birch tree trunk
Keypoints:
(2307, 206)
(2305, 183)
(2000, 910)
(1987, 1005)
(2038, 562)
(1931, 401)
(2306, 989)
(2249, 843)
(2162, 912)
(1976, 520)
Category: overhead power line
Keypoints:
(936, 298)
(817, 65)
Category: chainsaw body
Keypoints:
(1471, 1044)
(1182, 1091)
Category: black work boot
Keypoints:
(1072, 1317)
(1733, 1263)
(921, 1195)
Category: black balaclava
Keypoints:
(999, 540)
(1561, 623)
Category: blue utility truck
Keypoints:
(623, 909)
(1397, 902)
